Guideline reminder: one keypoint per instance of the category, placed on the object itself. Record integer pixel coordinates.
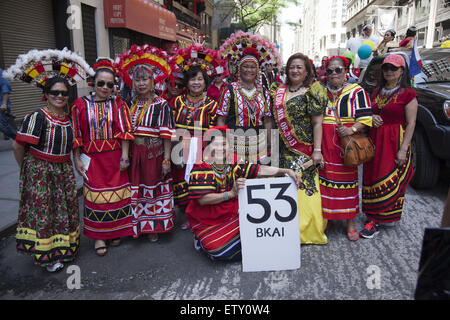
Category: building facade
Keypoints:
(406, 13)
(321, 30)
(95, 28)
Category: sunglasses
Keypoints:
(56, 93)
(102, 83)
(337, 70)
(178, 85)
(389, 67)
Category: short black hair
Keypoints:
(52, 81)
(192, 72)
(411, 32)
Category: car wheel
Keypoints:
(425, 165)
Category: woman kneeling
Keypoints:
(213, 209)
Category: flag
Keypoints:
(415, 64)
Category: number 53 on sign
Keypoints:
(269, 225)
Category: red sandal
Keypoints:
(352, 235)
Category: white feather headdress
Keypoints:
(37, 66)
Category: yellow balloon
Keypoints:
(445, 44)
(370, 43)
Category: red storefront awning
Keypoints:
(141, 16)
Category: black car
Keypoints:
(430, 146)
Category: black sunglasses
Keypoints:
(389, 67)
(64, 93)
(178, 85)
(102, 83)
(337, 70)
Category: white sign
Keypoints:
(269, 225)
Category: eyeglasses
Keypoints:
(389, 67)
(337, 70)
(64, 93)
(102, 83)
(178, 85)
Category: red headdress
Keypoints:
(344, 59)
(105, 63)
(198, 55)
(155, 60)
(242, 43)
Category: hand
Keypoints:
(344, 131)
(317, 157)
(3, 107)
(165, 169)
(238, 185)
(377, 121)
(401, 158)
(79, 166)
(296, 177)
(124, 163)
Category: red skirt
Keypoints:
(338, 183)
(107, 211)
(151, 196)
(384, 183)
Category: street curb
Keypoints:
(6, 231)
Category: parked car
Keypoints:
(430, 146)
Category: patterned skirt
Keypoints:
(107, 202)
(338, 183)
(384, 183)
(219, 242)
(48, 225)
(151, 197)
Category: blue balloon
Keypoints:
(364, 51)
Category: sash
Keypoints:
(287, 132)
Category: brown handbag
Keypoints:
(357, 148)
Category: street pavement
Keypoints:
(171, 269)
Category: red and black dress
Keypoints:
(384, 183)
(151, 194)
(216, 227)
(192, 119)
(48, 225)
(99, 128)
(339, 183)
(245, 112)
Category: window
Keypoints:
(89, 33)
(333, 38)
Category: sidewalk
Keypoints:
(9, 188)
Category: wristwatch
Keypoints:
(354, 129)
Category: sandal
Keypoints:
(55, 267)
(352, 235)
(185, 225)
(115, 242)
(97, 249)
(153, 237)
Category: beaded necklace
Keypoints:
(138, 111)
(102, 116)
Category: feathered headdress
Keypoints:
(241, 43)
(207, 59)
(37, 66)
(155, 60)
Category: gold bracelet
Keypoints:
(165, 161)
